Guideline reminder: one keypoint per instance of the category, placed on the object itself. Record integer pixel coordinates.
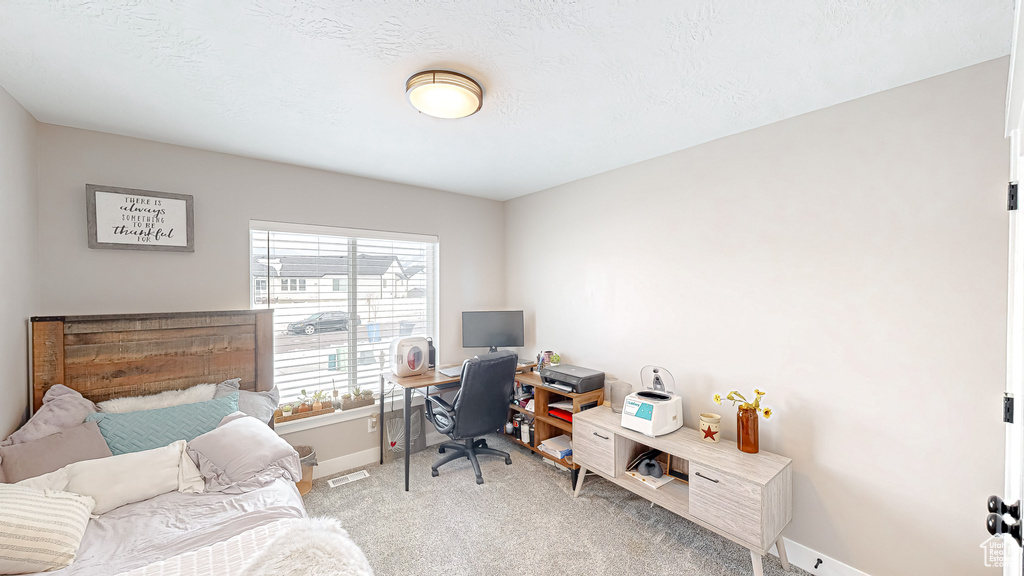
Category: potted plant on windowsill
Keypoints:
(357, 398)
(318, 398)
(305, 404)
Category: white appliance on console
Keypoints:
(410, 356)
(656, 409)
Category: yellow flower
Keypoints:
(758, 392)
(767, 413)
(718, 398)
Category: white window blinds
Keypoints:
(340, 297)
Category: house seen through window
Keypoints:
(340, 297)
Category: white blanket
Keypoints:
(289, 547)
(227, 558)
(160, 528)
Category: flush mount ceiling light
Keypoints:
(444, 94)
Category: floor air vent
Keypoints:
(342, 480)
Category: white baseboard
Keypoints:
(347, 462)
(803, 557)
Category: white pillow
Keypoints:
(165, 399)
(57, 481)
(243, 454)
(119, 480)
(42, 528)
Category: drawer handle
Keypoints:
(705, 477)
(599, 436)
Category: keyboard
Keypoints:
(452, 372)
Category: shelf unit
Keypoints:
(546, 426)
(746, 498)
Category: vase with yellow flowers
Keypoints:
(746, 419)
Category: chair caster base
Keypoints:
(508, 461)
(434, 473)
(479, 480)
(440, 449)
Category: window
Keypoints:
(344, 296)
(336, 361)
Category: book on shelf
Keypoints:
(559, 446)
(560, 414)
(651, 480)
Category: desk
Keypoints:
(410, 384)
(747, 498)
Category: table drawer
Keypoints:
(726, 502)
(593, 447)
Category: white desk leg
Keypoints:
(755, 560)
(579, 481)
(781, 547)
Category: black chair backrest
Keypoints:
(482, 403)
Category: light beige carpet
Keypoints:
(522, 521)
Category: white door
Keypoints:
(1014, 488)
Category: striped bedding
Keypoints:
(227, 558)
(173, 524)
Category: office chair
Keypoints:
(481, 406)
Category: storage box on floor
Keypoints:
(307, 459)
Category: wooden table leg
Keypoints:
(579, 481)
(781, 547)
(755, 560)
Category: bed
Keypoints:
(116, 356)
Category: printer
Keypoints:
(575, 378)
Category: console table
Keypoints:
(747, 498)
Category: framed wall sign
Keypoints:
(127, 219)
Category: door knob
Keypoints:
(997, 506)
(996, 526)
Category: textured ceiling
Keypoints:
(572, 87)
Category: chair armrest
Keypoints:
(445, 407)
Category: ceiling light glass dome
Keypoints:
(444, 94)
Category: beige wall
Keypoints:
(18, 234)
(229, 191)
(851, 262)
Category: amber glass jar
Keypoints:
(746, 430)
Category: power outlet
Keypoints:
(371, 424)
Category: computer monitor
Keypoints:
(493, 329)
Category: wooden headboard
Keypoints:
(113, 356)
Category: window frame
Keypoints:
(265, 299)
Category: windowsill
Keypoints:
(339, 416)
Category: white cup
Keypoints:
(710, 426)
